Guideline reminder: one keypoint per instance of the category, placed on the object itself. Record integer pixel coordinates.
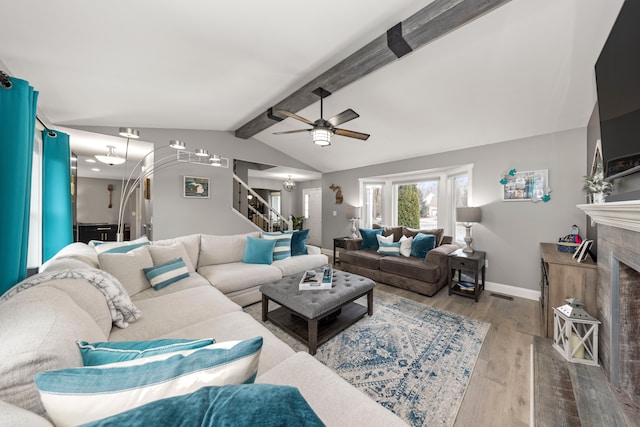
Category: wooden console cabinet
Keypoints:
(563, 277)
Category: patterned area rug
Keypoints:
(413, 359)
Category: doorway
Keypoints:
(312, 209)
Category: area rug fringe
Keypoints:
(413, 359)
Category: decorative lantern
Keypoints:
(575, 333)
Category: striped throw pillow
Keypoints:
(282, 250)
(163, 275)
(389, 248)
(76, 396)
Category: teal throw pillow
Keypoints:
(229, 405)
(282, 249)
(258, 251)
(422, 243)
(369, 239)
(299, 242)
(75, 396)
(101, 353)
(161, 276)
(389, 248)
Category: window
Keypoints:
(275, 204)
(372, 207)
(417, 204)
(460, 189)
(305, 206)
(34, 254)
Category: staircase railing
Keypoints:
(265, 222)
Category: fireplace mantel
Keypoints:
(624, 215)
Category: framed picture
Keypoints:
(526, 186)
(583, 250)
(196, 187)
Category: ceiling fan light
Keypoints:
(129, 133)
(110, 158)
(201, 152)
(321, 137)
(177, 144)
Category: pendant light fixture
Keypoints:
(289, 184)
(110, 158)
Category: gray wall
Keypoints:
(174, 215)
(93, 200)
(510, 232)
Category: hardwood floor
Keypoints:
(499, 392)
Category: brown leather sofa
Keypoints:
(425, 276)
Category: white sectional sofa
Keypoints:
(39, 326)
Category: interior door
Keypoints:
(312, 208)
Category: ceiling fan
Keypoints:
(322, 129)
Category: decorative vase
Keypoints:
(598, 198)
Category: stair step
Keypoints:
(571, 394)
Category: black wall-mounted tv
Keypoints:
(618, 83)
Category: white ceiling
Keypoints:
(524, 69)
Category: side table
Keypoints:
(471, 262)
(338, 242)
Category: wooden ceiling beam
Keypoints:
(428, 24)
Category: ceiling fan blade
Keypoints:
(292, 131)
(351, 134)
(294, 116)
(343, 117)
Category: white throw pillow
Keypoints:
(387, 239)
(405, 245)
(127, 268)
(119, 247)
(163, 254)
(80, 395)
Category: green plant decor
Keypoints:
(298, 222)
(409, 206)
(596, 184)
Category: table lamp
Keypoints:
(467, 216)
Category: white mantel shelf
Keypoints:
(624, 215)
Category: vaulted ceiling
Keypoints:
(524, 69)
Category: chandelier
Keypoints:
(289, 184)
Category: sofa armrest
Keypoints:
(438, 255)
(353, 244)
(446, 240)
(313, 250)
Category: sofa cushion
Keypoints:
(39, 328)
(79, 395)
(190, 242)
(396, 232)
(438, 232)
(333, 399)
(161, 254)
(228, 405)
(282, 248)
(101, 353)
(193, 281)
(238, 326)
(363, 258)
(422, 244)
(128, 268)
(173, 311)
(11, 415)
(223, 249)
(161, 276)
(236, 276)
(298, 264)
(411, 267)
(259, 251)
(299, 242)
(119, 247)
(369, 239)
(78, 251)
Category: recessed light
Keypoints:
(90, 161)
(95, 169)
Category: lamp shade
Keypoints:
(468, 214)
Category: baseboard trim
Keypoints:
(513, 291)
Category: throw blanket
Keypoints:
(120, 305)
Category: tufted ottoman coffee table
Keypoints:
(315, 316)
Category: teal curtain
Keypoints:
(17, 126)
(57, 221)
